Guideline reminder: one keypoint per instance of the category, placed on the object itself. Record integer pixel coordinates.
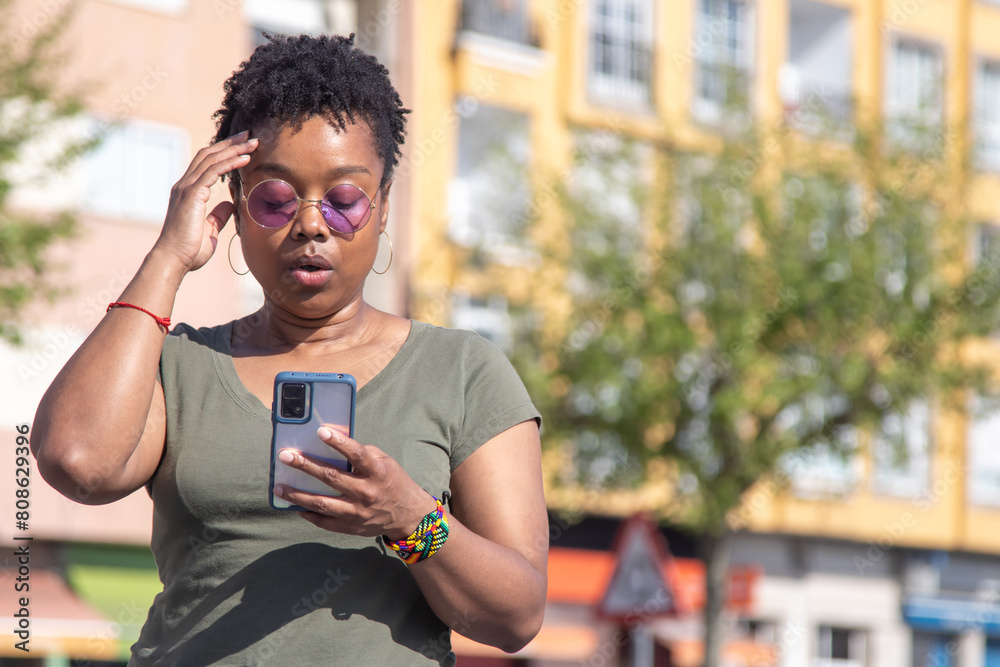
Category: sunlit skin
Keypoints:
(317, 328)
(488, 580)
(313, 159)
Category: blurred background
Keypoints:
(558, 156)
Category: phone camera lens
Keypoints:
(293, 400)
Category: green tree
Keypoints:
(34, 105)
(772, 295)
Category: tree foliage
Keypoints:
(736, 309)
(34, 102)
(770, 295)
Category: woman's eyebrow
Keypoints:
(338, 172)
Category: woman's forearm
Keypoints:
(485, 591)
(488, 580)
(95, 412)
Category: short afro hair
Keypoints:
(292, 79)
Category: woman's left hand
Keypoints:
(379, 497)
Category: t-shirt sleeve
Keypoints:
(171, 348)
(495, 397)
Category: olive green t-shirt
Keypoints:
(244, 584)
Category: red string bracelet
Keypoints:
(162, 321)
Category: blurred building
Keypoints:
(153, 73)
(865, 563)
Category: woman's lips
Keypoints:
(311, 276)
(311, 271)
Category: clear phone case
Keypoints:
(328, 400)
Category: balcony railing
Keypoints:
(504, 19)
(625, 80)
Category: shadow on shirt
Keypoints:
(325, 580)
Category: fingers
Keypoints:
(211, 162)
(216, 150)
(337, 513)
(212, 166)
(378, 497)
(356, 490)
(331, 475)
(328, 512)
(315, 502)
(190, 232)
(226, 160)
(220, 215)
(355, 453)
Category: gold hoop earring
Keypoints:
(382, 272)
(229, 256)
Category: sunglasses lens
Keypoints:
(346, 208)
(272, 203)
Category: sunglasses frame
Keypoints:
(298, 204)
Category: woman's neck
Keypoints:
(275, 329)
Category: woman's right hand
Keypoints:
(190, 233)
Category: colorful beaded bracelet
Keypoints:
(425, 541)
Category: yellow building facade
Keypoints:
(644, 68)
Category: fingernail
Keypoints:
(324, 433)
(286, 456)
(279, 490)
(253, 140)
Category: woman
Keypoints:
(313, 128)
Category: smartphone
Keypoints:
(302, 403)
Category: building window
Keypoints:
(489, 194)
(901, 453)
(164, 6)
(840, 647)
(724, 36)
(816, 80)
(827, 469)
(488, 317)
(931, 649)
(621, 51)
(987, 244)
(756, 630)
(986, 256)
(504, 19)
(288, 17)
(821, 472)
(132, 171)
(983, 454)
(916, 102)
(988, 115)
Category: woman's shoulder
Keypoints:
(186, 330)
(459, 355)
(454, 342)
(184, 335)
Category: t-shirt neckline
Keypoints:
(231, 379)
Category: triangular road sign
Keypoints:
(638, 590)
